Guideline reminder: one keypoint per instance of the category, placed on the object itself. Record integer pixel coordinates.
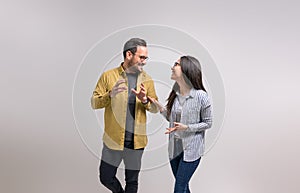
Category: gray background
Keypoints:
(255, 45)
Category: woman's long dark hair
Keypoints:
(192, 75)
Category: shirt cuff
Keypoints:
(147, 101)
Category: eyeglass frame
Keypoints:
(176, 64)
(143, 58)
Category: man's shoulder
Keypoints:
(111, 71)
(116, 69)
(145, 75)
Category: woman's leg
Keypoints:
(184, 173)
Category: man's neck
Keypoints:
(127, 69)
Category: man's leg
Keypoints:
(132, 161)
(109, 164)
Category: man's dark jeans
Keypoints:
(110, 162)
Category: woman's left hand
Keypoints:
(177, 126)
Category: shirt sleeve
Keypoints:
(100, 97)
(151, 93)
(206, 117)
(164, 114)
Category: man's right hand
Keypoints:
(117, 88)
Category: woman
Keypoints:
(189, 112)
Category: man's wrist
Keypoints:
(145, 101)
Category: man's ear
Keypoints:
(129, 55)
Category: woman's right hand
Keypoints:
(157, 104)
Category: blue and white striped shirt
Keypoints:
(196, 113)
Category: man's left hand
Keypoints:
(142, 94)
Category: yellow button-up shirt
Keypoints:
(116, 107)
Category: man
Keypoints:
(124, 92)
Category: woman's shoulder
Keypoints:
(202, 96)
(200, 93)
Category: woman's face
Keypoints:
(176, 71)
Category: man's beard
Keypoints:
(134, 66)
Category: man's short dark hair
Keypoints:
(131, 45)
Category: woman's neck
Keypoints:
(184, 89)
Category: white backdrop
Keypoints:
(254, 44)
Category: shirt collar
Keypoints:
(191, 94)
(121, 69)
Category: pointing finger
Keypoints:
(134, 91)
